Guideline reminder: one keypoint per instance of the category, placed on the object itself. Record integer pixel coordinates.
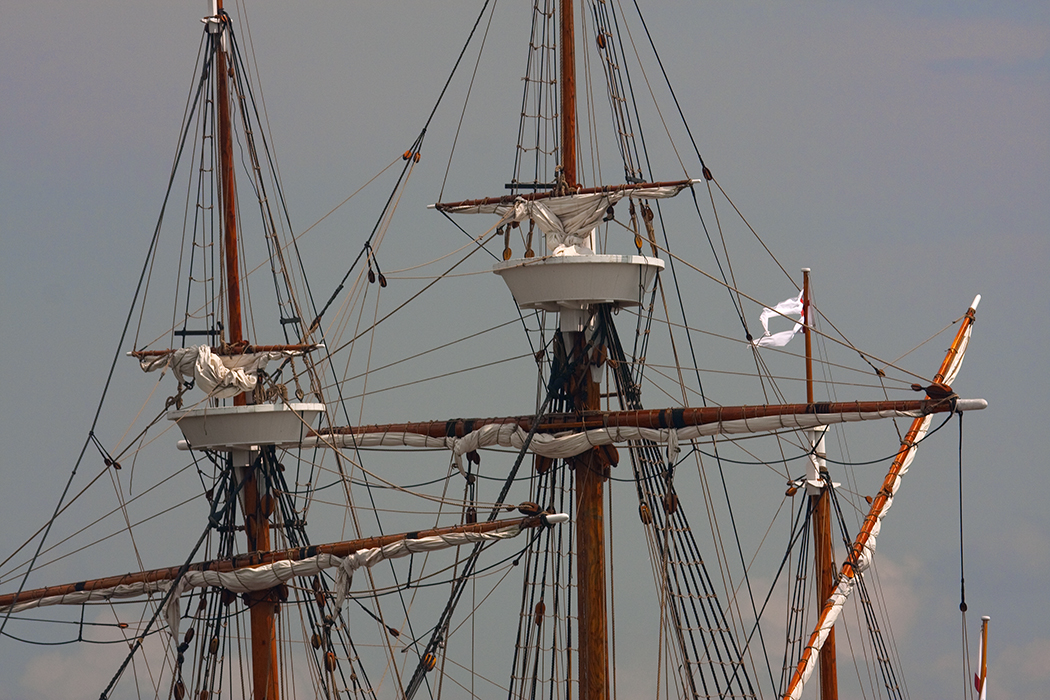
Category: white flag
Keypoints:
(788, 307)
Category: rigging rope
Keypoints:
(962, 574)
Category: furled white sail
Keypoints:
(565, 221)
(220, 376)
(571, 443)
(267, 576)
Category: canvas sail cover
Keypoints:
(565, 221)
(220, 376)
(563, 445)
(269, 575)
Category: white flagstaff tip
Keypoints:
(976, 301)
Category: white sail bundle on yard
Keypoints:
(566, 444)
(565, 221)
(220, 376)
(259, 578)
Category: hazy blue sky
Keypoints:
(900, 149)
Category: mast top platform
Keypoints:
(227, 428)
(572, 284)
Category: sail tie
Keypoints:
(673, 449)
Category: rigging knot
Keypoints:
(269, 391)
(230, 349)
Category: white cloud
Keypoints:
(1020, 672)
(84, 670)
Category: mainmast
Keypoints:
(256, 517)
(591, 468)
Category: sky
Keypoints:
(899, 149)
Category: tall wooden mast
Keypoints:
(256, 517)
(591, 468)
(820, 500)
(228, 185)
(568, 93)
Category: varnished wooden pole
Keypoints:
(825, 569)
(824, 552)
(856, 553)
(256, 522)
(644, 418)
(228, 189)
(256, 559)
(591, 469)
(262, 604)
(568, 93)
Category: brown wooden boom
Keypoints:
(228, 350)
(254, 559)
(643, 418)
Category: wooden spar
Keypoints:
(265, 681)
(233, 350)
(808, 336)
(533, 196)
(590, 469)
(644, 418)
(255, 559)
(228, 187)
(567, 107)
(983, 678)
(823, 549)
(949, 367)
(261, 604)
